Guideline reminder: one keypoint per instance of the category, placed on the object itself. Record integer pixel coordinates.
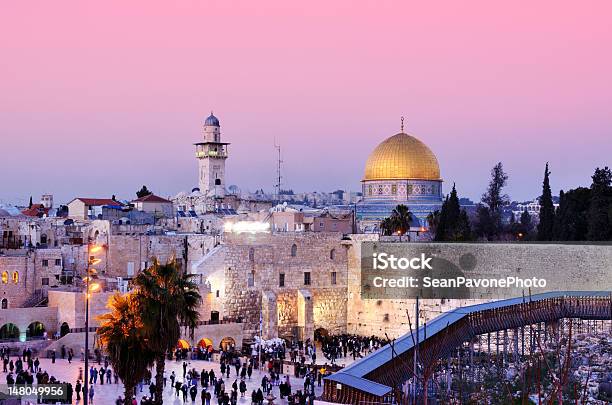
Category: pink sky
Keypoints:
(98, 98)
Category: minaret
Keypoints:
(211, 155)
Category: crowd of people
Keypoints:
(225, 387)
(341, 346)
(24, 369)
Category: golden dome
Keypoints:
(402, 156)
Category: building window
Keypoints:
(5, 277)
(251, 279)
(394, 189)
(45, 263)
(130, 269)
(333, 278)
(306, 278)
(369, 190)
(293, 250)
(218, 292)
(4, 303)
(281, 280)
(332, 254)
(251, 255)
(15, 277)
(45, 281)
(58, 262)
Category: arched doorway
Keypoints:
(64, 329)
(9, 331)
(320, 334)
(35, 330)
(227, 343)
(205, 343)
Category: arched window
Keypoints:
(4, 303)
(5, 277)
(15, 277)
(251, 254)
(293, 250)
(332, 254)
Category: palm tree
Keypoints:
(121, 333)
(170, 300)
(402, 217)
(397, 222)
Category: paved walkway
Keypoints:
(108, 393)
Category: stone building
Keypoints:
(27, 274)
(211, 155)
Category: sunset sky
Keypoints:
(99, 98)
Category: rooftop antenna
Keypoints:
(278, 172)
(402, 125)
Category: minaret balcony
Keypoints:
(211, 151)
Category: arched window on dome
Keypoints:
(4, 303)
(293, 250)
(5, 277)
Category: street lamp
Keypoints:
(90, 286)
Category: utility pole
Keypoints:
(416, 352)
(278, 172)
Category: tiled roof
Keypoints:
(35, 210)
(152, 198)
(98, 201)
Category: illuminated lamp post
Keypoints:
(90, 287)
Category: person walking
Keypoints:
(91, 393)
(77, 389)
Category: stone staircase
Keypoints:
(212, 261)
(38, 299)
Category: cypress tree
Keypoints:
(30, 205)
(547, 210)
(453, 224)
(600, 224)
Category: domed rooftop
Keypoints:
(212, 120)
(402, 156)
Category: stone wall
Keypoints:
(563, 265)
(23, 317)
(255, 262)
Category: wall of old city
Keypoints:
(563, 265)
(255, 263)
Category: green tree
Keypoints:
(143, 192)
(526, 224)
(571, 218)
(121, 333)
(547, 210)
(170, 301)
(600, 226)
(454, 224)
(30, 204)
(398, 222)
(489, 215)
(433, 221)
